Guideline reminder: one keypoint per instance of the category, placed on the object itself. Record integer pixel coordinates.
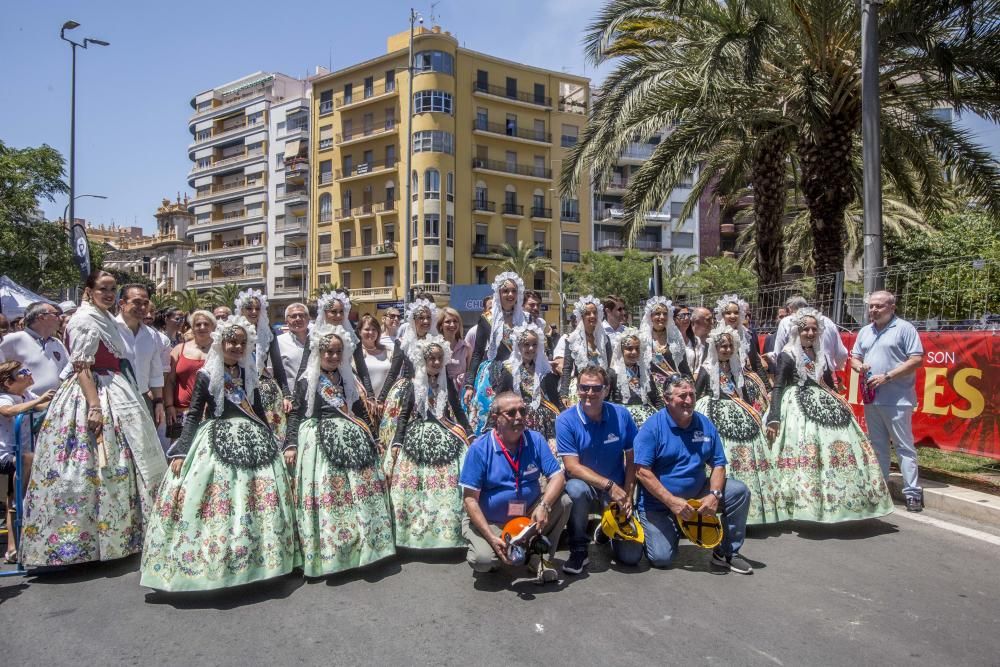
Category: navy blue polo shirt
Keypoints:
(677, 456)
(487, 470)
(600, 445)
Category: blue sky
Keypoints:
(133, 96)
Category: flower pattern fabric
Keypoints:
(273, 402)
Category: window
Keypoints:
(345, 279)
(451, 186)
(326, 137)
(390, 80)
(570, 133)
(540, 131)
(367, 238)
(389, 276)
(413, 272)
(389, 233)
(427, 101)
(368, 123)
(511, 159)
(390, 196)
(433, 141)
(676, 208)
(482, 276)
(571, 247)
(482, 80)
(369, 86)
(510, 201)
(325, 171)
(450, 230)
(432, 229)
(538, 280)
(449, 272)
(414, 236)
(481, 235)
(347, 126)
(510, 236)
(432, 184)
(432, 271)
(366, 278)
(510, 127)
(682, 239)
(570, 210)
(326, 101)
(345, 202)
(511, 87)
(348, 93)
(348, 163)
(390, 118)
(482, 194)
(538, 237)
(433, 61)
(413, 186)
(687, 181)
(539, 93)
(347, 241)
(368, 159)
(540, 165)
(482, 118)
(324, 279)
(202, 246)
(325, 207)
(390, 155)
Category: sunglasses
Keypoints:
(590, 388)
(514, 412)
(24, 372)
(682, 316)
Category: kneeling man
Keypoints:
(671, 452)
(501, 481)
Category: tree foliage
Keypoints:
(602, 274)
(28, 175)
(524, 260)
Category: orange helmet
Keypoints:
(513, 528)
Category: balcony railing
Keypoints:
(540, 212)
(541, 251)
(324, 218)
(372, 208)
(291, 193)
(256, 92)
(324, 178)
(229, 160)
(365, 94)
(618, 184)
(512, 168)
(324, 255)
(569, 216)
(486, 249)
(299, 224)
(571, 255)
(619, 244)
(288, 288)
(573, 106)
(366, 168)
(638, 151)
(484, 205)
(432, 288)
(512, 94)
(513, 209)
(384, 248)
(376, 130)
(342, 214)
(229, 187)
(373, 293)
(512, 130)
(297, 256)
(325, 107)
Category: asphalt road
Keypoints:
(886, 592)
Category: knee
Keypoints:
(577, 490)
(659, 558)
(737, 492)
(481, 562)
(628, 553)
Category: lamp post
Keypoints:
(68, 223)
(72, 25)
(871, 147)
(407, 223)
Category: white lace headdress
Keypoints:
(794, 346)
(409, 335)
(621, 370)
(542, 367)
(326, 300)
(262, 326)
(215, 364)
(577, 341)
(319, 341)
(675, 341)
(712, 364)
(421, 384)
(741, 330)
(496, 314)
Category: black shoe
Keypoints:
(915, 503)
(577, 561)
(599, 536)
(735, 563)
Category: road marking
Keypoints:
(944, 525)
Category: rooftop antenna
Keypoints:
(434, 16)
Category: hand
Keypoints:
(877, 381)
(863, 370)
(176, 465)
(46, 398)
(286, 405)
(499, 548)
(709, 505)
(772, 431)
(618, 495)
(159, 416)
(171, 415)
(540, 516)
(290, 456)
(566, 404)
(681, 509)
(467, 397)
(95, 420)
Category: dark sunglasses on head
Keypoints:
(24, 372)
(590, 388)
(514, 412)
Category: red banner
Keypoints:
(958, 392)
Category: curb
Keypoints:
(966, 503)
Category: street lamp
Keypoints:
(407, 224)
(871, 264)
(72, 25)
(69, 223)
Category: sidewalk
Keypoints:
(966, 503)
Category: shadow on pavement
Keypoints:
(371, 573)
(11, 592)
(230, 598)
(75, 574)
(847, 530)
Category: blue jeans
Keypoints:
(583, 496)
(663, 533)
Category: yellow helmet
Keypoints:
(618, 525)
(703, 530)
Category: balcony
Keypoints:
(646, 245)
(484, 206)
(232, 101)
(541, 213)
(294, 226)
(513, 209)
(573, 106)
(227, 190)
(325, 107)
(235, 248)
(367, 95)
(373, 208)
(382, 250)
(437, 289)
(486, 250)
(292, 193)
(617, 214)
(357, 135)
(297, 130)
(244, 277)
(617, 185)
(541, 251)
(512, 131)
(231, 220)
(512, 95)
(324, 254)
(282, 288)
(525, 170)
(342, 214)
(727, 228)
(282, 256)
(373, 294)
(571, 255)
(204, 138)
(229, 161)
(366, 169)
(569, 216)
(296, 166)
(637, 152)
(324, 218)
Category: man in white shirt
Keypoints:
(37, 348)
(830, 344)
(143, 347)
(292, 343)
(702, 321)
(614, 315)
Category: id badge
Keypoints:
(516, 508)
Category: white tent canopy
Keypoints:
(14, 298)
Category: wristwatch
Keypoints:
(717, 494)
(546, 506)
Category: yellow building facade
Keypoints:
(489, 138)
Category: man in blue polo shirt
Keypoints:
(671, 452)
(594, 439)
(501, 480)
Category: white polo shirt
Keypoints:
(145, 353)
(46, 358)
(291, 351)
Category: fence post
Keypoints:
(837, 307)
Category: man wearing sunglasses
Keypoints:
(500, 480)
(37, 346)
(594, 439)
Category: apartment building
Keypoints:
(489, 137)
(664, 233)
(161, 257)
(232, 173)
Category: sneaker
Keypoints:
(914, 503)
(577, 561)
(599, 536)
(735, 563)
(546, 573)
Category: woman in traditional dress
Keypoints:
(733, 405)
(732, 310)
(493, 343)
(667, 351)
(827, 467)
(275, 393)
(631, 365)
(224, 514)
(335, 310)
(98, 459)
(586, 345)
(341, 505)
(427, 446)
(421, 321)
(536, 383)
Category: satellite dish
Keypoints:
(81, 251)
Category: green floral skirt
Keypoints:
(341, 505)
(222, 522)
(826, 466)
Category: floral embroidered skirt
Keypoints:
(341, 505)
(482, 399)
(640, 413)
(426, 499)
(222, 521)
(826, 466)
(748, 456)
(273, 402)
(88, 500)
(390, 417)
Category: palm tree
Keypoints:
(749, 85)
(677, 274)
(524, 260)
(187, 300)
(222, 295)
(160, 301)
